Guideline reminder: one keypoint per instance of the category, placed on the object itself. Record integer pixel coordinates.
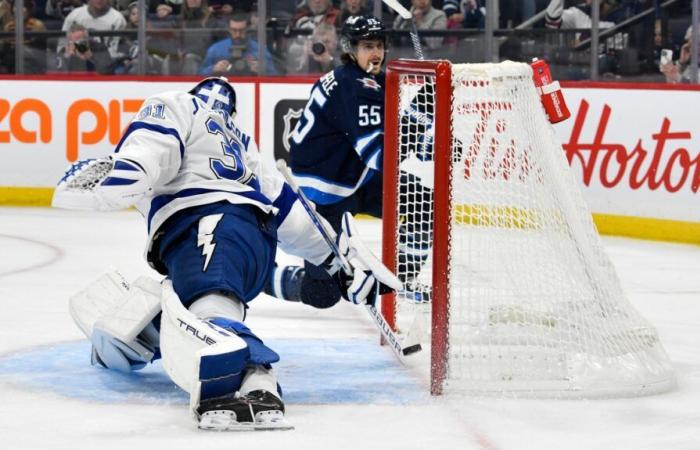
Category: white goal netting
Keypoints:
(535, 306)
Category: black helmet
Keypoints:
(358, 28)
(217, 93)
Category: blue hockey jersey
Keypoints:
(336, 146)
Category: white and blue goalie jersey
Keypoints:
(337, 143)
(193, 156)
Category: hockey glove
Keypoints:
(369, 277)
(103, 184)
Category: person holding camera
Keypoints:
(320, 52)
(83, 54)
(97, 15)
(237, 54)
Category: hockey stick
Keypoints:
(377, 316)
(407, 15)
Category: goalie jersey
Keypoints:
(194, 156)
(336, 146)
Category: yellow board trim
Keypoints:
(648, 228)
(608, 224)
(25, 196)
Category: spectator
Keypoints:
(306, 18)
(193, 46)
(320, 52)
(464, 13)
(578, 16)
(679, 71)
(96, 15)
(220, 12)
(237, 54)
(315, 12)
(81, 53)
(56, 11)
(353, 8)
(127, 62)
(34, 48)
(5, 13)
(162, 41)
(426, 18)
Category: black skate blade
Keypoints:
(219, 420)
(411, 349)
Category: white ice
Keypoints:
(46, 255)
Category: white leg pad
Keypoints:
(96, 300)
(185, 339)
(112, 305)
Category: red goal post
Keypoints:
(441, 72)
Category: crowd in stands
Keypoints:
(218, 37)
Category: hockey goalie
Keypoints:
(215, 212)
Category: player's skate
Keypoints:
(416, 292)
(256, 410)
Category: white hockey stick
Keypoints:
(377, 316)
(407, 15)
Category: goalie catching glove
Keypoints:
(104, 184)
(368, 277)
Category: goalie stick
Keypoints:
(377, 317)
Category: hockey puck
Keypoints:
(412, 349)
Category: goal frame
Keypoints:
(441, 70)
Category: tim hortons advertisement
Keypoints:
(635, 151)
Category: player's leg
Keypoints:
(415, 235)
(217, 265)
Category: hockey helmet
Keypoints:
(357, 28)
(216, 93)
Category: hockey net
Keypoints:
(483, 215)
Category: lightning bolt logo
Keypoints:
(205, 236)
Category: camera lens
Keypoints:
(318, 48)
(81, 46)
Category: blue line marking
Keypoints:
(311, 371)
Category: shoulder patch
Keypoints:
(370, 83)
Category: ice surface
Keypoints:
(343, 391)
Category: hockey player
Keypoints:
(215, 211)
(336, 150)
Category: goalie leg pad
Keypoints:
(208, 357)
(113, 353)
(117, 318)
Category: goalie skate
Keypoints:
(256, 411)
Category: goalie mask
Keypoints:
(217, 94)
(358, 28)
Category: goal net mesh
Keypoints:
(535, 306)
